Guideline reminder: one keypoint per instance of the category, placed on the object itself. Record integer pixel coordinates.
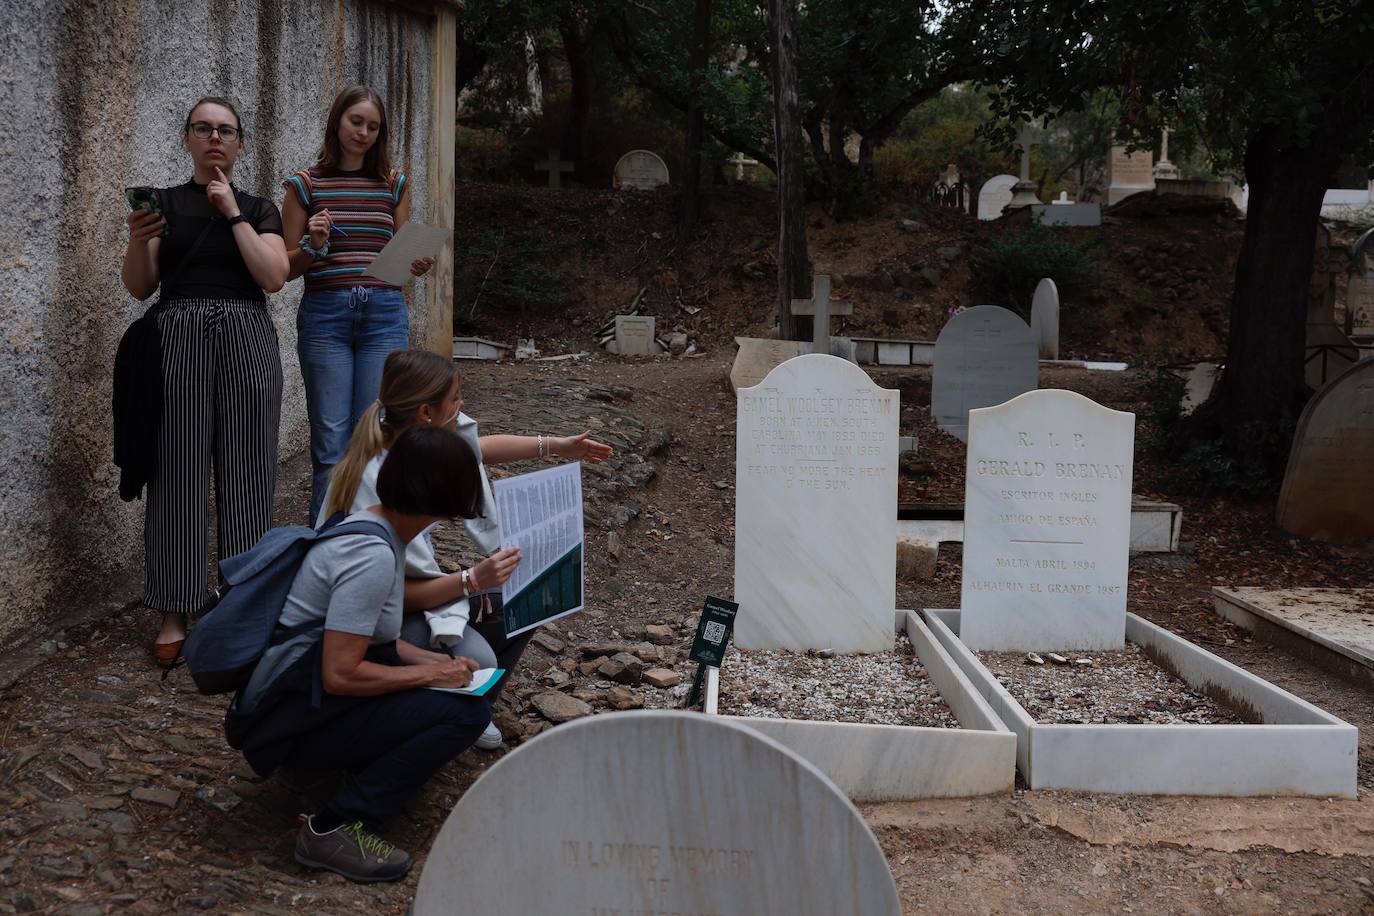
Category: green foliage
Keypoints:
(1205, 469)
(1008, 267)
(943, 130)
(508, 271)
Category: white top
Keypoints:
(447, 621)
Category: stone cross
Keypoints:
(739, 161)
(1164, 169)
(555, 166)
(1023, 192)
(1025, 139)
(822, 307)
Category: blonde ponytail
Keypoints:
(410, 379)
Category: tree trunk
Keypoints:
(1255, 407)
(576, 49)
(793, 268)
(696, 120)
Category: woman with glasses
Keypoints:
(339, 214)
(212, 250)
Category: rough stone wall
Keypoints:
(94, 94)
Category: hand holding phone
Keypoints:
(145, 218)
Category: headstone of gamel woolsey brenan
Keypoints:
(1328, 487)
(1047, 524)
(1045, 319)
(816, 509)
(655, 813)
(641, 170)
(984, 356)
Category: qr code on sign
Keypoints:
(714, 632)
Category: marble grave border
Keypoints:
(872, 762)
(1239, 606)
(1296, 749)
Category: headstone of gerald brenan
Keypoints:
(816, 509)
(984, 356)
(1327, 491)
(634, 336)
(759, 356)
(1045, 319)
(1047, 524)
(641, 170)
(642, 813)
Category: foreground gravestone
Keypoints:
(984, 356)
(641, 170)
(1327, 492)
(816, 509)
(1047, 524)
(1045, 319)
(655, 813)
(634, 336)
(759, 356)
(994, 196)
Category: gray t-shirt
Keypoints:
(355, 583)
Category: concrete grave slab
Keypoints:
(1047, 503)
(816, 508)
(759, 356)
(1327, 490)
(1045, 319)
(654, 812)
(1330, 627)
(873, 763)
(984, 356)
(1236, 760)
(1066, 214)
(479, 348)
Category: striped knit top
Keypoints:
(362, 206)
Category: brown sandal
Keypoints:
(167, 654)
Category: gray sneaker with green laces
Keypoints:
(352, 851)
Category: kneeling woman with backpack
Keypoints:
(338, 690)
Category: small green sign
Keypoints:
(713, 631)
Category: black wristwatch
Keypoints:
(235, 220)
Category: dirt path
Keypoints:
(117, 791)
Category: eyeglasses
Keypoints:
(226, 133)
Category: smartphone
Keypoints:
(144, 198)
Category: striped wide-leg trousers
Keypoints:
(222, 383)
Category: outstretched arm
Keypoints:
(501, 449)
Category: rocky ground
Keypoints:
(118, 793)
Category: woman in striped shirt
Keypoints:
(338, 215)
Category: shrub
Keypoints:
(505, 270)
(1008, 267)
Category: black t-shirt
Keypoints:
(216, 270)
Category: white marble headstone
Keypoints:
(1045, 319)
(984, 356)
(1047, 524)
(650, 814)
(634, 336)
(816, 509)
(642, 170)
(994, 196)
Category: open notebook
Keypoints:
(482, 681)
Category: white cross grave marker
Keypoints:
(739, 161)
(555, 166)
(822, 307)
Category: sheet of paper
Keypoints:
(541, 513)
(482, 681)
(415, 240)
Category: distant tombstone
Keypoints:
(1047, 524)
(641, 170)
(555, 166)
(1045, 319)
(1128, 173)
(1327, 493)
(1359, 304)
(984, 356)
(816, 509)
(704, 817)
(995, 195)
(1066, 213)
(1198, 381)
(634, 336)
(759, 356)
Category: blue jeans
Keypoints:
(343, 338)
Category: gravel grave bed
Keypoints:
(1122, 686)
(881, 688)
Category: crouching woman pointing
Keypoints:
(354, 700)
